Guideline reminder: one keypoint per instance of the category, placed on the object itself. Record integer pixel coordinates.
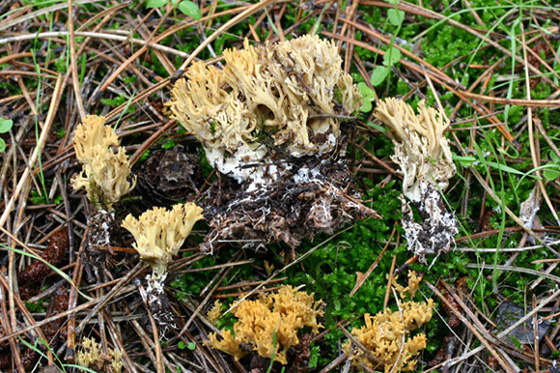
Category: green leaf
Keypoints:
(393, 54)
(155, 3)
(368, 95)
(379, 75)
(2, 145)
(190, 9)
(191, 346)
(5, 125)
(182, 345)
(551, 170)
(554, 156)
(395, 16)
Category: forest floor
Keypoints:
(492, 66)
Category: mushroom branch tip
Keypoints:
(160, 233)
(105, 167)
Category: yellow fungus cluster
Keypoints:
(290, 93)
(159, 233)
(271, 317)
(387, 334)
(91, 354)
(106, 170)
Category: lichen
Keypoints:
(105, 168)
(270, 324)
(159, 233)
(387, 335)
(424, 157)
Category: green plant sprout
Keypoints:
(187, 7)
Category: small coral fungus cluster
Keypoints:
(270, 325)
(159, 233)
(106, 178)
(386, 336)
(423, 155)
(271, 120)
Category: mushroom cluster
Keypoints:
(105, 167)
(106, 178)
(270, 120)
(159, 234)
(424, 157)
(386, 336)
(270, 324)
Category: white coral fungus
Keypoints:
(424, 157)
(160, 233)
(287, 95)
(106, 170)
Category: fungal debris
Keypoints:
(424, 157)
(271, 120)
(159, 234)
(269, 325)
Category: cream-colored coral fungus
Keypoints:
(288, 95)
(278, 316)
(387, 334)
(159, 233)
(105, 167)
(424, 157)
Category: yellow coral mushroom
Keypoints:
(91, 354)
(106, 170)
(271, 317)
(293, 91)
(387, 334)
(159, 233)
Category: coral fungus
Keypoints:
(106, 170)
(271, 120)
(270, 324)
(159, 235)
(424, 157)
(386, 335)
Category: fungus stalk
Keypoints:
(271, 120)
(159, 234)
(106, 178)
(424, 157)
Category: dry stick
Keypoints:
(531, 133)
(508, 330)
(131, 59)
(474, 330)
(363, 277)
(57, 93)
(73, 63)
(101, 303)
(47, 10)
(479, 108)
(98, 35)
(247, 12)
(8, 329)
(481, 34)
(48, 320)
